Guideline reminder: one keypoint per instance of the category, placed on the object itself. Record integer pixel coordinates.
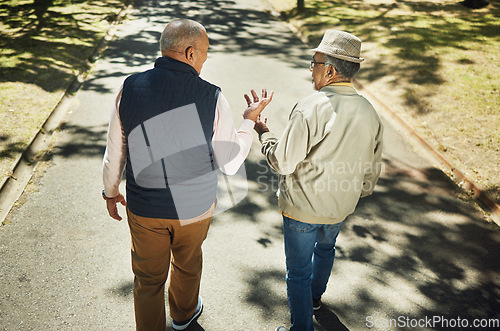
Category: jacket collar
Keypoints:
(340, 89)
(171, 64)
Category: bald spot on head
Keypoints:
(180, 34)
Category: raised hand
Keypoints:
(256, 106)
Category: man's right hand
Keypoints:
(261, 126)
(256, 106)
(111, 206)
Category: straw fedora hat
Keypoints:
(341, 45)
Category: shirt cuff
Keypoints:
(266, 135)
(247, 125)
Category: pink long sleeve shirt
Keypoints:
(115, 156)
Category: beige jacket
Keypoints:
(329, 155)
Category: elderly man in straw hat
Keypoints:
(328, 156)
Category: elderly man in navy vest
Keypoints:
(170, 131)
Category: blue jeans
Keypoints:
(309, 251)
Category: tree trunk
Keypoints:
(41, 7)
(475, 4)
(300, 5)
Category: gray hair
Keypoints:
(344, 68)
(180, 33)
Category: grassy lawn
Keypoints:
(435, 63)
(38, 59)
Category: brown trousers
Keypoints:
(157, 244)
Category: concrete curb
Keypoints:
(457, 176)
(487, 202)
(21, 171)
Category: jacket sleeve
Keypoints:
(372, 175)
(284, 154)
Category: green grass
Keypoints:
(435, 63)
(39, 59)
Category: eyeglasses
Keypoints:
(315, 62)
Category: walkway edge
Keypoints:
(23, 167)
(488, 204)
(461, 180)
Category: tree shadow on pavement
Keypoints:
(438, 243)
(419, 249)
(230, 29)
(261, 291)
(328, 320)
(82, 141)
(124, 290)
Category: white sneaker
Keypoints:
(183, 325)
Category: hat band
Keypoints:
(334, 53)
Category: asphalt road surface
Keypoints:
(413, 254)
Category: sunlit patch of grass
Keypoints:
(37, 62)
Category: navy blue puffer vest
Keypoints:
(167, 114)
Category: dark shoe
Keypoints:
(316, 304)
(185, 324)
(281, 328)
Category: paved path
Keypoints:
(412, 251)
